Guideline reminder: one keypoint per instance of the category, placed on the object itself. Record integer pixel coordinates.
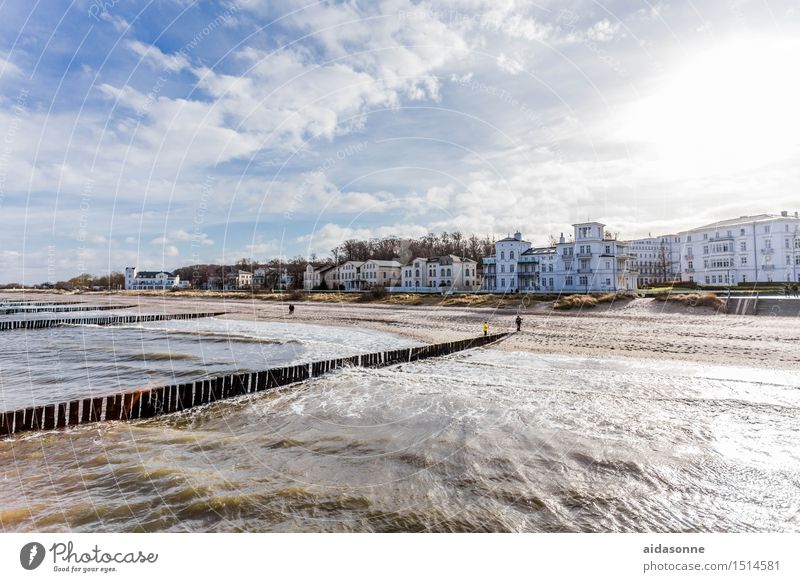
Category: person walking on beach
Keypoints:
(485, 328)
(519, 323)
(291, 309)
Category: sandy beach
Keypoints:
(638, 328)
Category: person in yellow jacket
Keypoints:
(485, 328)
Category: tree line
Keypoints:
(388, 248)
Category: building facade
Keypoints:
(762, 248)
(655, 259)
(136, 280)
(447, 272)
(377, 273)
(589, 263)
(315, 276)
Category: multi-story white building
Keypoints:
(447, 272)
(761, 248)
(655, 259)
(350, 276)
(377, 273)
(314, 277)
(591, 262)
(152, 280)
(239, 279)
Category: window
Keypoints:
(568, 281)
(502, 268)
(708, 279)
(608, 264)
(511, 254)
(689, 238)
(766, 228)
(608, 249)
(705, 249)
(705, 236)
(608, 282)
(502, 255)
(743, 246)
(743, 261)
(510, 268)
(584, 281)
(502, 282)
(787, 243)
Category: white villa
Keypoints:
(760, 248)
(590, 263)
(354, 275)
(136, 280)
(378, 273)
(655, 259)
(448, 272)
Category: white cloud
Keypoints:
(604, 30)
(153, 56)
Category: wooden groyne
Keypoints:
(16, 303)
(53, 308)
(100, 320)
(151, 402)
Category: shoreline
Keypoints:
(638, 328)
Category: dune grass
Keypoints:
(701, 299)
(588, 301)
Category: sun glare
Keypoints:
(732, 107)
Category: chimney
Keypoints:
(561, 238)
(784, 213)
(518, 235)
(795, 214)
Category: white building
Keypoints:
(350, 276)
(237, 280)
(136, 280)
(589, 263)
(655, 259)
(447, 272)
(761, 248)
(377, 273)
(314, 277)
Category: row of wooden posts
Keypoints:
(151, 402)
(58, 308)
(15, 303)
(100, 320)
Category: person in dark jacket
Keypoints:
(291, 309)
(519, 323)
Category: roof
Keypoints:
(742, 220)
(151, 274)
(540, 251)
(382, 263)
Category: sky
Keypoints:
(167, 133)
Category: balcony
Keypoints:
(585, 271)
(768, 267)
(767, 251)
(584, 255)
(688, 270)
(689, 257)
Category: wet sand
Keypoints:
(639, 328)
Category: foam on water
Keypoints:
(484, 440)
